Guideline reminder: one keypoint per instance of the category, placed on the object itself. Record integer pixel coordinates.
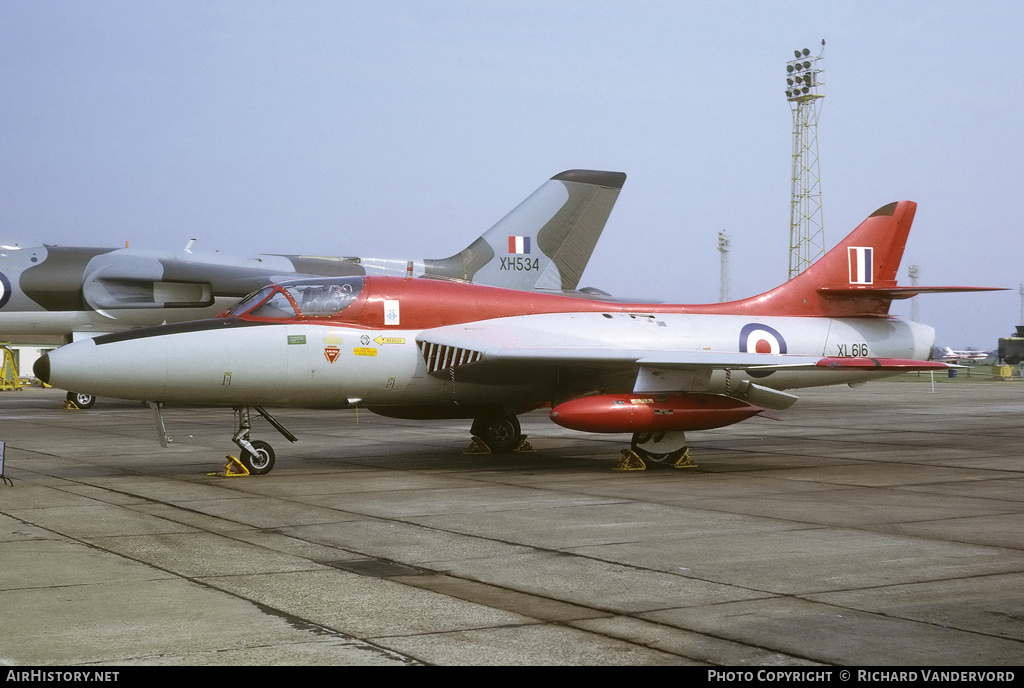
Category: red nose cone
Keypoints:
(651, 412)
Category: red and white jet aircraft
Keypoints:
(425, 348)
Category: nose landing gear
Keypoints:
(257, 456)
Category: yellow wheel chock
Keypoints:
(477, 446)
(524, 447)
(630, 461)
(232, 469)
(684, 460)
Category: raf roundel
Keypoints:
(5, 290)
(756, 338)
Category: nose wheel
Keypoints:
(259, 460)
(256, 455)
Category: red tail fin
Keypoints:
(856, 278)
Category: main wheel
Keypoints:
(651, 456)
(500, 431)
(82, 401)
(669, 458)
(261, 462)
(673, 446)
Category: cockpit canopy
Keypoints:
(307, 298)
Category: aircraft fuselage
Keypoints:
(234, 362)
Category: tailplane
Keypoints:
(545, 242)
(857, 278)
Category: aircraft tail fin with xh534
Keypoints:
(428, 348)
(546, 242)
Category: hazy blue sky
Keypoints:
(404, 129)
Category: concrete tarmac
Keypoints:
(882, 525)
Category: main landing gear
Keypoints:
(668, 448)
(79, 401)
(256, 456)
(497, 431)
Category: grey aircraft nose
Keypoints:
(42, 368)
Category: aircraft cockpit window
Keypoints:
(277, 306)
(250, 301)
(321, 300)
(301, 299)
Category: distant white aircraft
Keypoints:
(965, 356)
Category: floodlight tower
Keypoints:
(806, 228)
(913, 272)
(723, 279)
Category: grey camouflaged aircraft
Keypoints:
(543, 244)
